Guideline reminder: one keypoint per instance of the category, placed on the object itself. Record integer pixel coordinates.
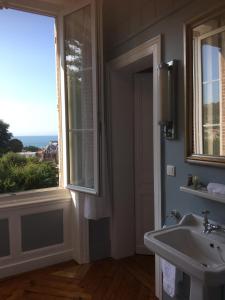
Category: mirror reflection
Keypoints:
(209, 87)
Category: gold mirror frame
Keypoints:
(190, 157)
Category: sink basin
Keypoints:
(205, 252)
(202, 256)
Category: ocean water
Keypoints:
(37, 141)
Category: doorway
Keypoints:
(121, 93)
(143, 157)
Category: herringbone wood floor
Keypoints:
(127, 279)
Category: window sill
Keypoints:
(34, 198)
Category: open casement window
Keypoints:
(79, 81)
(208, 106)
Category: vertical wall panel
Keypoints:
(42, 229)
(4, 238)
(99, 239)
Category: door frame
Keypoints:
(151, 47)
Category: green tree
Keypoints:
(31, 148)
(5, 137)
(15, 145)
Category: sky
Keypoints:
(28, 100)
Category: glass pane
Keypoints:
(211, 103)
(212, 57)
(78, 51)
(209, 87)
(211, 92)
(78, 60)
(211, 136)
(80, 106)
(81, 159)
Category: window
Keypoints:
(210, 52)
(81, 98)
(77, 75)
(28, 101)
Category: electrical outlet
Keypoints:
(171, 170)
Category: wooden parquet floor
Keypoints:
(127, 279)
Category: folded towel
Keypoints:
(169, 278)
(216, 188)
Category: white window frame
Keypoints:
(65, 159)
(197, 104)
(197, 75)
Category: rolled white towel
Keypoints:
(217, 188)
(171, 278)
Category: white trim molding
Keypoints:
(31, 6)
(35, 263)
(33, 198)
(13, 208)
(80, 229)
(148, 48)
(135, 54)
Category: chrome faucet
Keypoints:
(209, 227)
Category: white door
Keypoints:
(144, 179)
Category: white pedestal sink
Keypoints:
(202, 256)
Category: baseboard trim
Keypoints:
(35, 263)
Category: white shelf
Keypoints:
(203, 193)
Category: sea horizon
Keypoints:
(39, 141)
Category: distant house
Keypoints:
(50, 152)
(28, 154)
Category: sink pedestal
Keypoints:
(198, 290)
(200, 256)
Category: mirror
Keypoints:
(205, 90)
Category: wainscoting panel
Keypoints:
(35, 230)
(4, 238)
(42, 230)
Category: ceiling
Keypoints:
(51, 7)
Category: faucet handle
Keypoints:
(205, 214)
(176, 215)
